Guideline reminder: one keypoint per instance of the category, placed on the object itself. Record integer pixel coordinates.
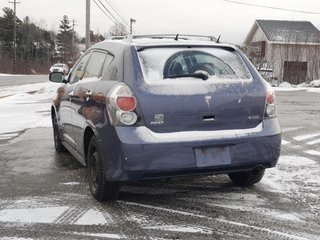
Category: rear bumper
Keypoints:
(141, 154)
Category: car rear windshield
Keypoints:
(58, 65)
(206, 63)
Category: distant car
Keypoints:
(60, 67)
(269, 76)
(162, 107)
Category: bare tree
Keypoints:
(118, 30)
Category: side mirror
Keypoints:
(57, 77)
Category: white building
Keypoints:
(290, 48)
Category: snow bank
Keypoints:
(313, 86)
(24, 107)
(315, 83)
(5, 75)
(285, 84)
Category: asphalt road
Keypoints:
(6, 81)
(44, 195)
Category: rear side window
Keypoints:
(167, 63)
(95, 65)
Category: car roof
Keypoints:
(146, 41)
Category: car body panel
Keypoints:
(174, 132)
(141, 149)
(63, 108)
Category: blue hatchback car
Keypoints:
(154, 107)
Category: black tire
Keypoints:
(246, 179)
(56, 137)
(100, 188)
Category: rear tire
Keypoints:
(56, 137)
(246, 179)
(100, 188)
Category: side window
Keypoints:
(78, 71)
(107, 63)
(95, 65)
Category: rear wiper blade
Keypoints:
(201, 75)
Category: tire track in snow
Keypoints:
(239, 225)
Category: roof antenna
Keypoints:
(177, 37)
(218, 40)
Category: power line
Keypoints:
(117, 12)
(270, 7)
(113, 19)
(115, 7)
(104, 12)
(110, 14)
(117, 21)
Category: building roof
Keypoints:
(289, 31)
(280, 31)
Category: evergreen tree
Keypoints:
(64, 40)
(6, 31)
(36, 43)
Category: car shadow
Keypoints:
(176, 188)
(66, 161)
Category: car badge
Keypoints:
(208, 100)
(158, 119)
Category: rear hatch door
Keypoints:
(197, 88)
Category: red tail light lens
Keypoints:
(126, 103)
(270, 97)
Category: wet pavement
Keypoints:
(44, 195)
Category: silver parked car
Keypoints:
(59, 67)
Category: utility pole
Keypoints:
(14, 34)
(73, 24)
(131, 22)
(72, 49)
(87, 24)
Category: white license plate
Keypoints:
(216, 156)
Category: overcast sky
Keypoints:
(207, 17)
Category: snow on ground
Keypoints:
(290, 173)
(313, 86)
(8, 75)
(26, 106)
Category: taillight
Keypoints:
(121, 106)
(126, 103)
(270, 97)
(270, 109)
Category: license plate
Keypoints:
(216, 156)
